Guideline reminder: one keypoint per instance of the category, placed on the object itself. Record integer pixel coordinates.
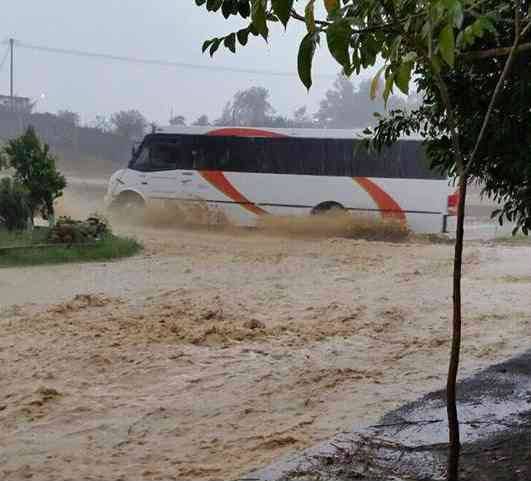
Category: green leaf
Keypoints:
(487, 24)
(200, 2)
(375, 83)
(282, 9)
(403, 76)
(309, 16)
(259, 17)
(447, 44)
(226, 8)
(436, 64)
(410, 57)
(331, 5)
(388, 89)
(214, 5)
(206, 44)
(243, 36)
(230, 42)
(216, 42)
(305, 59)
(455, 12)
(338, 37)
(244, 8)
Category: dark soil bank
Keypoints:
(410, 442)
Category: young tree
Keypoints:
(129, 123)
(35, 171)
(202, 121)
(178, 120)
(250, 108)
(452, 48)
(301, 119)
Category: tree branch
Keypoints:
(496, 52)
(298, 16)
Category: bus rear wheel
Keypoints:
(329, 207)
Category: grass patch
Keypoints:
(11, 239)
(29, 252)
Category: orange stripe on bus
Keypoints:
(218, 180)
(388, 206)
(244, 132)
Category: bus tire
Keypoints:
(328, 207)
(128, 206)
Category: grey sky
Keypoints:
(163, 29)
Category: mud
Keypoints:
(214, 353)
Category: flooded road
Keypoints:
(214, 353)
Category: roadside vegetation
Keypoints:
(28, 249)
(30, 194)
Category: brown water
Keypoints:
(213, 353)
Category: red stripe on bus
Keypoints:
(388, 206)
(218, 180)
(236, 132)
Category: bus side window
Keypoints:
(263, 161)
(223, 155)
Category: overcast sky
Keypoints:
(164, 30)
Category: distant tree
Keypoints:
(178, 120)
(301, 119)
(279, 122)
(102, 123)
(129, 123)
(202, 120)
(35, 171)
(344, 107)
(69, 117)
(249, 107)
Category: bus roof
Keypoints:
(271, 132)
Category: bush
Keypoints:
(35, 169)
(69, 231)
(14, 207)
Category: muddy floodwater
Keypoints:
(214, 353)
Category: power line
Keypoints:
(160, 63)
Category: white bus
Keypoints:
(249, 173)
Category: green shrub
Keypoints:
(14, 207)
(35, 169)
(69, 231)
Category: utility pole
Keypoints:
(12, 48)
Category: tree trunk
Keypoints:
(451, 403)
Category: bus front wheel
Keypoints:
(128, 207)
